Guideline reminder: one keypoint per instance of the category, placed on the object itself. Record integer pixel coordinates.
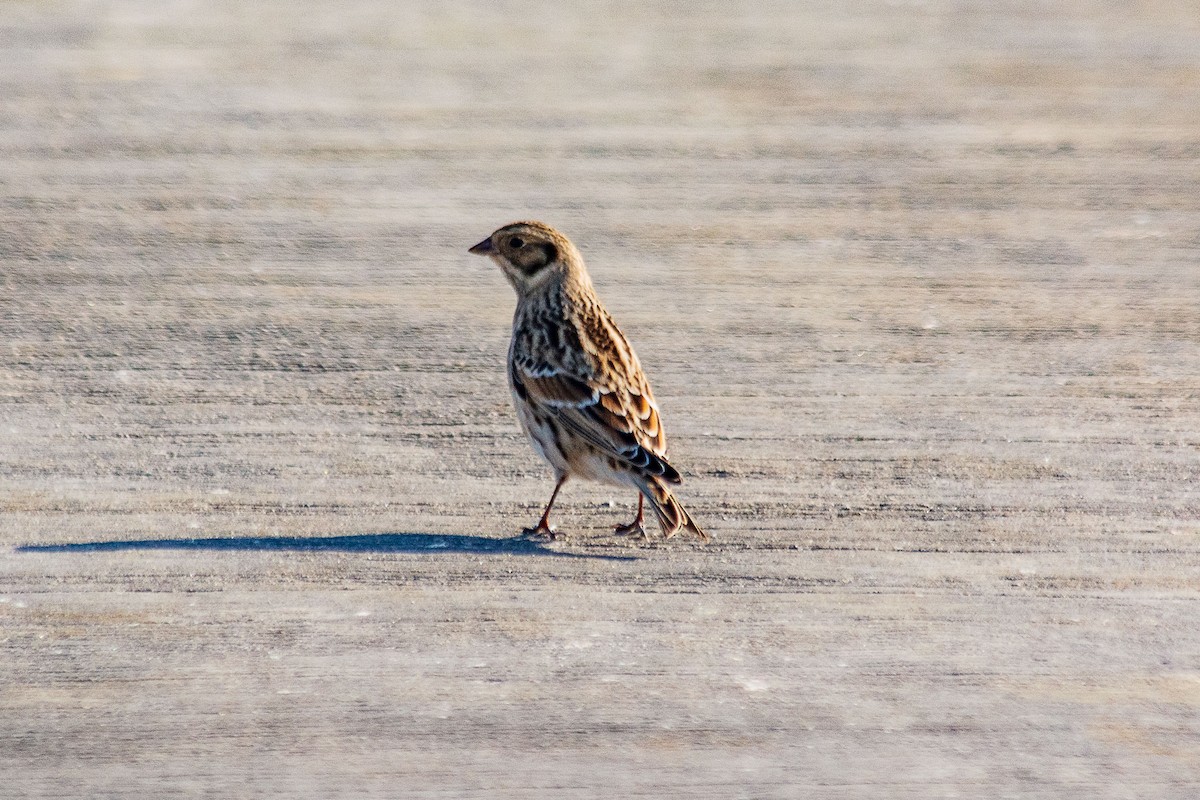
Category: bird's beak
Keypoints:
(483, 248)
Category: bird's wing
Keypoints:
(597, 394)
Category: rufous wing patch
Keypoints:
(559, 389)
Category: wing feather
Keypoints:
(595, 392)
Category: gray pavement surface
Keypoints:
(918, 287)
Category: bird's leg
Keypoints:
(634, 528)
(543, 527)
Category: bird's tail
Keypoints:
(671, 514)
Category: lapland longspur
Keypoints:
(580, 393)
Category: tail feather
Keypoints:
(671, 514)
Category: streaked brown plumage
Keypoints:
(578, 388)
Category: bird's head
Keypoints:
(531, 255)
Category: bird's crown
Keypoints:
(527, 251)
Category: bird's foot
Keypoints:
(633, 529)
(542, 531)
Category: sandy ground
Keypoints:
(918, 286)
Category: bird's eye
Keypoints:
(516, 243)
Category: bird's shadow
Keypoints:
(425, 543)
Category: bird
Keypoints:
(580, 393)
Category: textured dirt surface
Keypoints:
(917, 284)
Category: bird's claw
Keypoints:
(634, 529)
(541, 532)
